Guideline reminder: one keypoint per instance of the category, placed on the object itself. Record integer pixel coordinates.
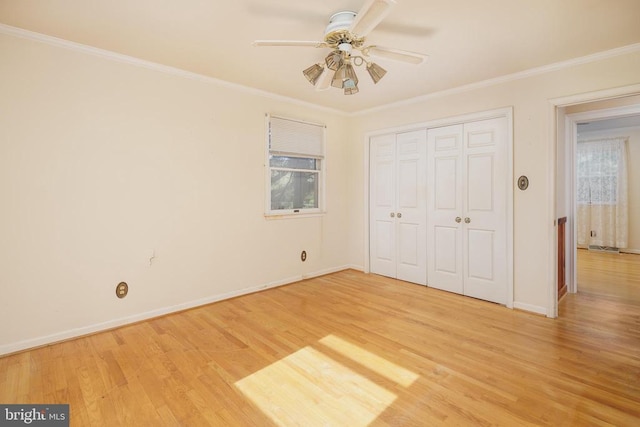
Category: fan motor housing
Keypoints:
(340, 21)
(337, 32)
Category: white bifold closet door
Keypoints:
(398, 206)
(466, 209)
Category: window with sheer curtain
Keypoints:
(602, 193)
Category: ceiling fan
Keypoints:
(345, 36)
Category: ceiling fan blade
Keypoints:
(395, 54)
(371, 14)
(300, 43)
(324, 81)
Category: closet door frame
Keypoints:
(509, 180)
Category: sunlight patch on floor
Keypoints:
(378, 364)
(310, 388)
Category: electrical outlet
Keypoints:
(122, 290)
(303, 256)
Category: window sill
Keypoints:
(293, 215)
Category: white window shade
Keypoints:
(290, 137)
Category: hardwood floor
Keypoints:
(351, 349)
(609, 275)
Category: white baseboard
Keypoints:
(625, 250)
(529, 307)
(111, 324)
(630, 251)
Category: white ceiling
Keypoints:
(467, 40)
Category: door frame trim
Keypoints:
(568, 141)
(506, 112)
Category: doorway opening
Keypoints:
(585, 256)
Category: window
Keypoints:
(295, 172)
(599, 170)
(602, 187)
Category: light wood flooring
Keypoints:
(609, 275)
(351, 349)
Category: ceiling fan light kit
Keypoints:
(376, 72)
(334, 60)
(313, 73)
(345, 78)
(351, 91)
(345, 34)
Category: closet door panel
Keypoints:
(481, 254)
(411, 216)
(382, 183)
(480, 183)
(398, 206)
(446, 255)
(466, 215)
(444, 222)
(484, 241)
(408, 244)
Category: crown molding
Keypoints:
(130, 60)
(113, 56)
(532, 72)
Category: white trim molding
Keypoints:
(530, 308)
(569, 137)
(532, 72)
(154, 66)
(30, 35)
(31, 343)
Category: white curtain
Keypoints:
(602, 193)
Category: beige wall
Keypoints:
(103, 163)
(533, 155)
(633, 161)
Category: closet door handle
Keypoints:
(399, 215)
(392, 215)
(467, 220)
(458, 219)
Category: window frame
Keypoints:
(320, 171)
